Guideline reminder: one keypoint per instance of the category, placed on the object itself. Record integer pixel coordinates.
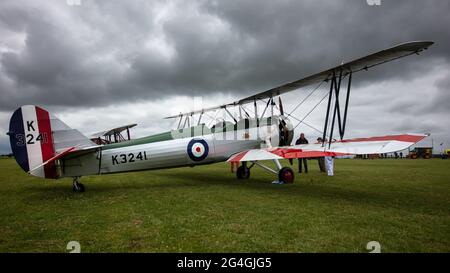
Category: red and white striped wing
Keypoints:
(376, 145)
(254, 155)
(357, 146)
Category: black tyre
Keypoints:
(243, 172)
(286, 175)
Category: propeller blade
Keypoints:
(281, 106)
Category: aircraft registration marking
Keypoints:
(128, 158)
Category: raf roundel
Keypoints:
(197, 149)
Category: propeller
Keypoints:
(281, 106)
(284, 132)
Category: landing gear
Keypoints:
(76, 186)
(243, 172)
(286, 175)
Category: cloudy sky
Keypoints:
(106, 63)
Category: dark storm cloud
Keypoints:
(441, 102)
(103, 52)
(302, 37)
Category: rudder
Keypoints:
(31, 139)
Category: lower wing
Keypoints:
(356, 146)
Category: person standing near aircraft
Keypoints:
(329, 160)
(302, 140)
(321, 159)
(328, 163)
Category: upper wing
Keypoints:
(363, 63)
(357, 65)
(357, 146)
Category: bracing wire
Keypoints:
(214, 119)
(307, 97)
(309, 113)
(309, 125)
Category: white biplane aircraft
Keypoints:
(44, 146)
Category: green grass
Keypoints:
(403, 204)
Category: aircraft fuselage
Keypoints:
(179, 151)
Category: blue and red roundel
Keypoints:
(197, 149)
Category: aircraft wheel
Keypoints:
(286, 175)
(243, 172)
(78, 187)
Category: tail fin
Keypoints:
(36, 137)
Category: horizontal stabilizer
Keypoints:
(51, 160)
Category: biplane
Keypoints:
(113, 135)
(46, 147)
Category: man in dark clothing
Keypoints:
(302, 140)
(321, 159)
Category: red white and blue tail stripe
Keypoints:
(31, 140)
(37, 139)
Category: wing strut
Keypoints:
(228, 112)
(200, 118)
(335, 88)
(344, 123)
(179, 123)
(333, 79)
(256, 113)
(265, 109)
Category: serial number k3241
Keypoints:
(128, 158)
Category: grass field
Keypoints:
(403, 204)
